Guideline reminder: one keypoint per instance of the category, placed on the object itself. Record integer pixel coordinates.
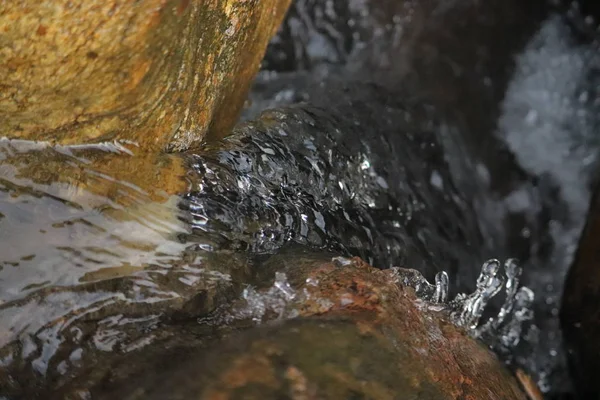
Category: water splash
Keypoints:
(513, 329)
(441, 287)
(503, 331)
(273, 301)
(437, 293)
(312, 175)
(472, 306)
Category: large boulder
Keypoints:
(337, 329)
(161, 73)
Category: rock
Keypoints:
(580, 314)
(161, 73)
(358, 333)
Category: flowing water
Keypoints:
(547, 125)
(94, 264)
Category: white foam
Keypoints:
(548, 120)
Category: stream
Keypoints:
(362, 136)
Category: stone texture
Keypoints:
(162, 73)
(357, 334)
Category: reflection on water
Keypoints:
(88, 262)
(57, 232)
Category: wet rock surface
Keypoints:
(160, 73)
(375, 341)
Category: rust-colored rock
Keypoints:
(357, 334)
(580, 313)
(161, 73)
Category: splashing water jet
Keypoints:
(502, 332)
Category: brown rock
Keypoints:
(162, 73)
(359, 334)
(580, 313)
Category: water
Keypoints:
(503, 331)
(346, 180)
(90, 263)
(275, 300)
(321, 39)
(287, 178)
(550, 121)
(441, 287)
(534, 150)
(96, 263)
(487, 286)
(60, 227)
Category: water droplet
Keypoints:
(505, 330)
(312, 281)
(436, 180)
(274, 300)
(282, 284)
(488, 285)
(441, 287)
